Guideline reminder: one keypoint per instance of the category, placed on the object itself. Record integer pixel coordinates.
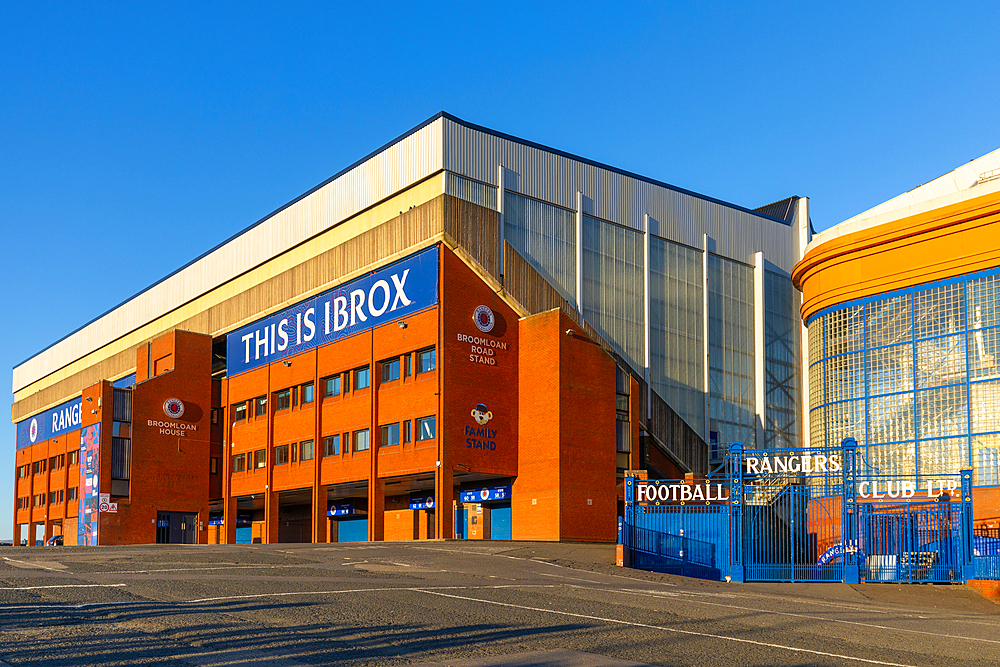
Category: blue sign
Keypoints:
(485, 494)
(49, 424)
(215, 520)
(422, 502)
(400, 289)
(340, 509)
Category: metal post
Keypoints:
(968, 565)
(852, 572)
(736, 568)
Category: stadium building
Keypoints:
(902, 305)
(463, 334)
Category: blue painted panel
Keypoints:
(500, 522)
(49, 424)
(398, 290)
(461, 524)
(244, 535)
(352, 530)
(485, 495)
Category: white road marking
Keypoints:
(257, 596)
(36, 565)
(203, 569)
(788, 613)
(665, 629)
(35, 588)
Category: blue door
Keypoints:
(500, 521)
(352, 530)
(244, 535)
(461, 523)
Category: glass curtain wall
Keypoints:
(731, 351)
(676, 329)
(613, 287)
(781, 362)
(914, 377)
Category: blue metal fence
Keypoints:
(814, 514)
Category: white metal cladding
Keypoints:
(677, 216)
(378, 177)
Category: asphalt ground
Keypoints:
(463, 604)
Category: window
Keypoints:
(260, 406)
(361, 440)
(239, 412)
(73, 494)
(39, 499)
(52, 497)
(331, 445)
(425, 428)
(426, 360)
(283, 399)
(259, 458)
(214, 412)
(407, 365)
(362, 378)
(331, 386)
(306, 450)
(390, 370)
(347, 382)
(407, 431)
(239, 462)
(54, 463)
(280, 455)
(308, 391)
(22, 471)
(74, 457)
(213, 465)
(390, 435)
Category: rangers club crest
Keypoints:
(173, 408)
(483, 317)
(33, 430)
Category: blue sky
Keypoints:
(135, 137)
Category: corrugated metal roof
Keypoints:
(782, 210)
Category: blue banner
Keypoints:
(485, 495)
(422, 501)
(340, 509)
(395, 291)
(49, 424)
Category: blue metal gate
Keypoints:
(798, 515)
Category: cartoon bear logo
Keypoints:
(481, 414)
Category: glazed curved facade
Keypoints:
(902, 308)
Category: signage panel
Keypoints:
(400, 289)
(49, 424)
(90, 495)
(485, 494)
(340, 509)
(422, 502)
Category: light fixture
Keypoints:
(286, 363)
(90, 400)
(401, 324)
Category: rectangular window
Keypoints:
(426, 360)
(283, 399)
(331, 386)
(74, 457)
(62, 461)
(347, 382)
(239, 412)
(294, 449)
(259, 458)
(390, 435)
(52, 497)
(361, 440)
(260, 406)
(280, 455)
(407, 431)
(306, 450)
(53, 463)
(407, 365)
(425, 428)
(331, 445)
(239, 462)
(308, 391)
(22, 471)
(362, 378)
(213, 465)
(73, 493)
(390, 370)
(214, 412)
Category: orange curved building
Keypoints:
(902, 307)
